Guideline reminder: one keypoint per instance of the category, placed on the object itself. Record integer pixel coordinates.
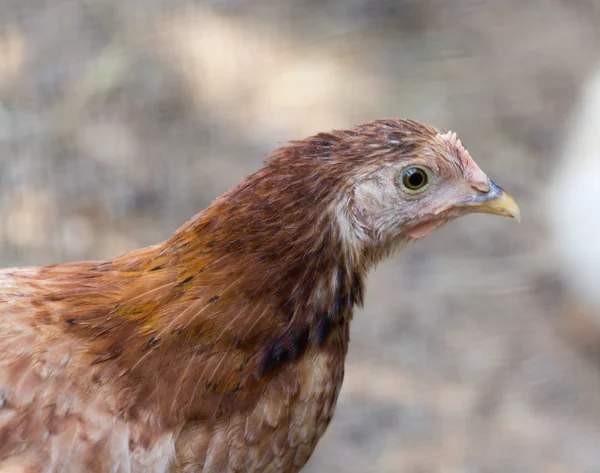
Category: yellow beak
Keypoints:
(497, 202)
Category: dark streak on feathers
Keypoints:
(185, 281)
(152, 342)
(323, 329)
(287, 348)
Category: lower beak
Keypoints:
(496, 202)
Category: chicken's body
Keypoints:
(222, 350)
(71, 406)
(61, 415)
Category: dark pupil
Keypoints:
(415, 178)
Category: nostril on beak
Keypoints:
(481, 186)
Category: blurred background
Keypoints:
(478, 347)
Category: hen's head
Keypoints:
(348, 197)
(383, 182)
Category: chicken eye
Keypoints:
(414, 179)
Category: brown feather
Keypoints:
(220, 350)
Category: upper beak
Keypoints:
(496, 202)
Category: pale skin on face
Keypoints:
(476, 177)
(458, 187)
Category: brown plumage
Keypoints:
(222, 350)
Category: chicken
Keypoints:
(222, 350)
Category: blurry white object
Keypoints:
(575, 199)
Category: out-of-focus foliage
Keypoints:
(119, 119)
